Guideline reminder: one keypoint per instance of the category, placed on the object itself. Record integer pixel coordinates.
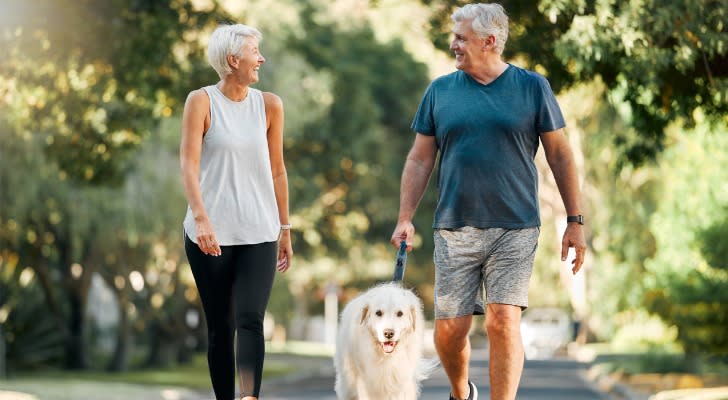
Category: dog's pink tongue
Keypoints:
(388, 347)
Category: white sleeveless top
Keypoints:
(235, 173)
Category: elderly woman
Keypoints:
(237, 231)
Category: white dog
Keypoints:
(379, 346)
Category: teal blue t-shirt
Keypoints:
(487, 137)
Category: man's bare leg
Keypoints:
(503, 323)
(453, 347)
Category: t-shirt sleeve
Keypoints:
(549, 117)
(424, 121)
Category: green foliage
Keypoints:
(714, 245)
(346, 164)
(661, 61)
(698, 306)
(29, 341)
(684, 289)
(92, 78)
(666, 60)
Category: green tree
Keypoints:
(346, 164)
(92, 78)
(85, 83)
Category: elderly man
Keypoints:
(486, 121)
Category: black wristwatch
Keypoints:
(575, 218)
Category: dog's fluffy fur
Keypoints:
(379, 346)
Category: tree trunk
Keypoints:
(163, 348)
(120, 359)
(76, 357)
(48, 287)
(77, 288)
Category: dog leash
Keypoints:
(401, 264)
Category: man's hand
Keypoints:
(404, 231)
(574, 237)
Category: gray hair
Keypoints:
(487, 19)
(227, 40)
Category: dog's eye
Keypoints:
(400, 313)
(378, 313)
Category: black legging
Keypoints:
(234, 288)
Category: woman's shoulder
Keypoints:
(198, 96)
(198, 102)
(272, 100)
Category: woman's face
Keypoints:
(249, 60)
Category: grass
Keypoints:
(177, 382)
(659, 361)
(193, 375)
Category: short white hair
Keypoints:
(486, 19)
(227, 40)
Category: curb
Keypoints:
(717, 393)
(5, 395)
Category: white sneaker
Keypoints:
(473, 392)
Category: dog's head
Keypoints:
(390, 314)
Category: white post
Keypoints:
(331, 312)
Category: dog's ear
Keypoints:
(364, 314)
(413, 318)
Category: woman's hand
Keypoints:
(206, 239)
(285, 251)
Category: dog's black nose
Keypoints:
(389, 333)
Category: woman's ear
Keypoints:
(232, 61)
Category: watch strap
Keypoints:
(575, 218)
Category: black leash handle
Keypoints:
(401, 262)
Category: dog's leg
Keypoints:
(343, 390)
(411, 391)
(346, 378)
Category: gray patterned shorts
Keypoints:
(469, 260)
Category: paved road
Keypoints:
(542, 380)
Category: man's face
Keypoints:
(467, 46)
